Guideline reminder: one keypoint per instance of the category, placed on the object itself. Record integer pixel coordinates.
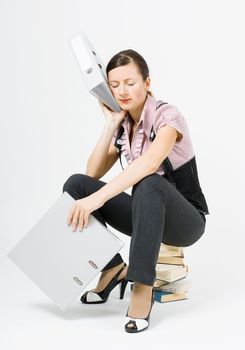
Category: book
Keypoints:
(170, 251)
(93, 70)
(172, 260)
(163, 297)
(159, 283)
(170, 273)
(170, 283)
(176, 287)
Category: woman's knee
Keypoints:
(145, 187)
(74, 181)
(185, 239)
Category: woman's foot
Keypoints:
(107, 276)
(109, 279)
(140, 302)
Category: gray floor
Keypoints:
(212, 315)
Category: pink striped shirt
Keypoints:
(167, 114)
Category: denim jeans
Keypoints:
(155, 212)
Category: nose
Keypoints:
(123, 91)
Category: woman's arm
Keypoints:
(98, 163)
(146, 164)
(98, 158)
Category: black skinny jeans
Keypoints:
(155, 212)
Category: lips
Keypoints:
(125, 100)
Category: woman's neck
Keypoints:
(136, 114)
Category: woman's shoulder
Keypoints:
(167, 109)
(167, 112)
(170, 114)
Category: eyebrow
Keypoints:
(115, 81)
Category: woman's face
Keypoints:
(128, 87)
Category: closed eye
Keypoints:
(117, 85)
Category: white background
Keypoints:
(50, 124)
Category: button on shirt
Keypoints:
(167, 114)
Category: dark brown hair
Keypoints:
(125, 57)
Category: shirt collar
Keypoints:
(146, 117)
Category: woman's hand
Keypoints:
(112, 117)
(79, 213)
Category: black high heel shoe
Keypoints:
(91, 297)
(139, 324)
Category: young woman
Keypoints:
(166, 204)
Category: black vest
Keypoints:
(184, 178)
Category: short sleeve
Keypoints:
(169, 115)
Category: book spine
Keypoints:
(164, 297)
(170, 260)
(174, 290)
(158, 295)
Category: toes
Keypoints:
(130, 325)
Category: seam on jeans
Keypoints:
(168, 207)
(155, 241)
(157, 189)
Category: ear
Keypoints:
(147, 83)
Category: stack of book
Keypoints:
(171, 272)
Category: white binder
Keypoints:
(62, 262)
(93, 70)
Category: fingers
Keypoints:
(77, 216)
(83, 219)
(70, 215)
(101, 104)
(104, 107)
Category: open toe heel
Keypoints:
(136, 325)
(91, 297)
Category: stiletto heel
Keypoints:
(91, 297)
(123, 286)
(139, 324)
